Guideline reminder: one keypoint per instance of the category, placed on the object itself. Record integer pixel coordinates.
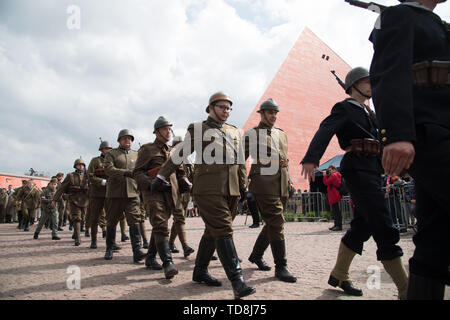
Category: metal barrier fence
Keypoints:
(314, 205)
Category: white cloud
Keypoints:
(133, 61)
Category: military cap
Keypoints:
(79, 161)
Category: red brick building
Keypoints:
(15, 180)
(305, 90)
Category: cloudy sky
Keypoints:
(73, 71)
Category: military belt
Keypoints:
(431, 73)
(365, 147)
(281, 163)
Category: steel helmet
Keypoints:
(103, 145)
(161, 122)
(216, 97)
(354, 76)
(125, 132)
(269, 104)
(79, 161)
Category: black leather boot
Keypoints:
(173, 249)
(206, 249)
(279, 257)
(347, 286)
(124, 237)
(36, 235)
(166, 257)
(187, 251)
(135, 236)
(150, 260)
(422, 288)
(110, 238)
(230, 262)
(256, 257)
(26, 225)
(76, 233)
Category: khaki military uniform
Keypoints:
(97, 194)
(122, 194)
(76, 185)
(28, 201)
(3, 205)
(160, 205)
(48, 211)
(216, 187)
(61, 206)
(271, 191)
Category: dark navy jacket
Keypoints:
(348, 120)
(407, 34)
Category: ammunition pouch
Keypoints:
(100, 172)
(366, 147)
(431, 73)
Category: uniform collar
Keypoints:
(416, 4)
(263, 125)
(125, 150)
(161, 144)
(356, 103)
(79, 172)
(213, 123)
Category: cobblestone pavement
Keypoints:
(41, 269)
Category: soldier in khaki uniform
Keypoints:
(179, 219)
(97, 193)
(76, 185)
(48, 210)
(61, 204)
(218, 182)
(3, 204)
(18, 204)
(122, 195)
(28, 198)
(160, 204)
(269, 184)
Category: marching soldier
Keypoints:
(179, 219)
(97, 191)
(122, 195)
(61, 204)
(3, 205)
(354, 124)
(48, 210)
(28, 197)
(411, 93)
(218, 183)
(76, 185)
(160, 204)
(271, 189)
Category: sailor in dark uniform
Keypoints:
(411, 93)
(354, 124)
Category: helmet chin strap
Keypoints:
(359, 91)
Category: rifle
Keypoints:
(372, 6)
(341, 83)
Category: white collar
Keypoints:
(356, 103)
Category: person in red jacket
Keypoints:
(333, 180)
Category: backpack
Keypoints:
(343, 191)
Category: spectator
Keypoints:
(333, 180)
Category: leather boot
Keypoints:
(422, 288)
(398, 274)
(206, 249)
(76, 233)
(36, 235)
(164, 253)
(256, 257)
(26, 225)
(82, 226)
(110, 239)
(144, 235)
(172, 248)
(230, 262)
(135, 236)
(150, 260)
(279, 257)
(86, 233)
(187, 250)
(93, 241)
(340, 276)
